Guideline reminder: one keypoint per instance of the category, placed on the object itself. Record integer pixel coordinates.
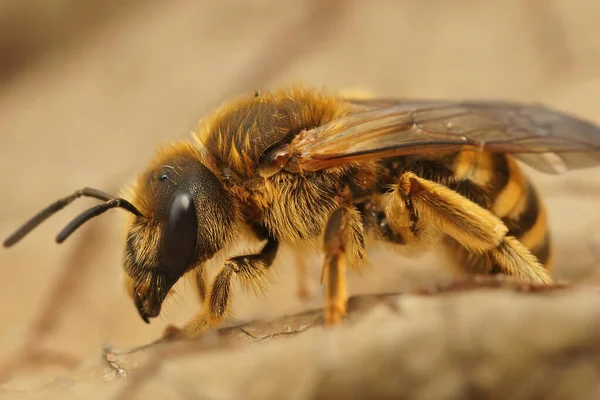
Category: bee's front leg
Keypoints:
(198, 277)
(249, 269)
(200, 283)
(432, 207)
(343, 245)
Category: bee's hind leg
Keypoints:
(343, 245)
(430, 206)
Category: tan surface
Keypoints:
(93, 113)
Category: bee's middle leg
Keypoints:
(249, 269)
(428, 205)
(303, 289)
(343, 244)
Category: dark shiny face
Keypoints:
(192, 218)
(177, 250)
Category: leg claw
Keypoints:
(172, 332)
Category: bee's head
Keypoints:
(186, 217)
(181, 216)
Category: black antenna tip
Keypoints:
(14, 238)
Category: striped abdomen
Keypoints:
(493, 181)
(496, 182)
(524, 213)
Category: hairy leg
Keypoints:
(429, 207)
(343, 246)
(249, 269)
(200, 283)
(303, 284)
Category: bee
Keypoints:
(310, 168)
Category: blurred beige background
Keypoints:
(87, 92)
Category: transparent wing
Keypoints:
(545, 139)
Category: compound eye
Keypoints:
(179, 235)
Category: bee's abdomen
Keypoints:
(524, 213)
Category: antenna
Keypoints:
(111, 202)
